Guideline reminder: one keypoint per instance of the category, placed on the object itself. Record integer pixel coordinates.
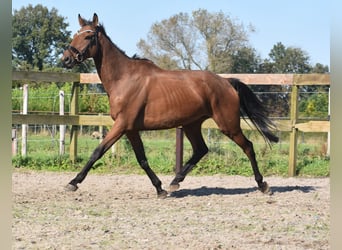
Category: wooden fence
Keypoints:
(293, 125)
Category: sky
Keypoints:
(304, 24)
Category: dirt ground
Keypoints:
(211, 212)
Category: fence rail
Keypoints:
(293, 125)
(106, 120)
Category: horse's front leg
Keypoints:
(138, 147)
(114, 134)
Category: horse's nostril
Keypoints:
(66, 59)
(79, 57)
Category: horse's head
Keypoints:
(84, 43)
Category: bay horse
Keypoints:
(143, 96)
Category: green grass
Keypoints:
(224, 156)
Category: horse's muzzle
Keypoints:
(68, 60)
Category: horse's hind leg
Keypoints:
(194, 134)
(247, 147)
(138, 148)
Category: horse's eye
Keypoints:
(89, 37)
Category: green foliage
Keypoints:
(45, 98)
(39, 37)
(91, 101)
(320, 68)
(288, 60)
(245, 60)
(316, 105)
(224, 156)
(44, 162)
(284, 59)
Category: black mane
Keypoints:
(137, 57)
(100, 28)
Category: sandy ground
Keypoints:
(211, 212)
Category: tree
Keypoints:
(287, 60)
(320, 68)
(294, 60)
(315, 105)
(203, 41)
(39, 37)
(245, 60)
(172, 41)
(222, 38)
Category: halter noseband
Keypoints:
(79, 56)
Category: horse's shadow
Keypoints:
(206, 191)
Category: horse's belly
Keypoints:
(174, 117)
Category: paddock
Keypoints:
(208, 212)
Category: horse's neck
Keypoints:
(110, 63)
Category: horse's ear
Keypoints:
(95, 20)
(81, 20)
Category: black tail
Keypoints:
(255, 110)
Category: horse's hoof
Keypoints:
(265, 188)
(71, 187)
(162, 194)
(174, 187)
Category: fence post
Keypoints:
(61, 127)
(101, 129)
(14, 142)
(328, 140)
(74, 128)
(179, 149)
(294, 130)
(24, 126)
